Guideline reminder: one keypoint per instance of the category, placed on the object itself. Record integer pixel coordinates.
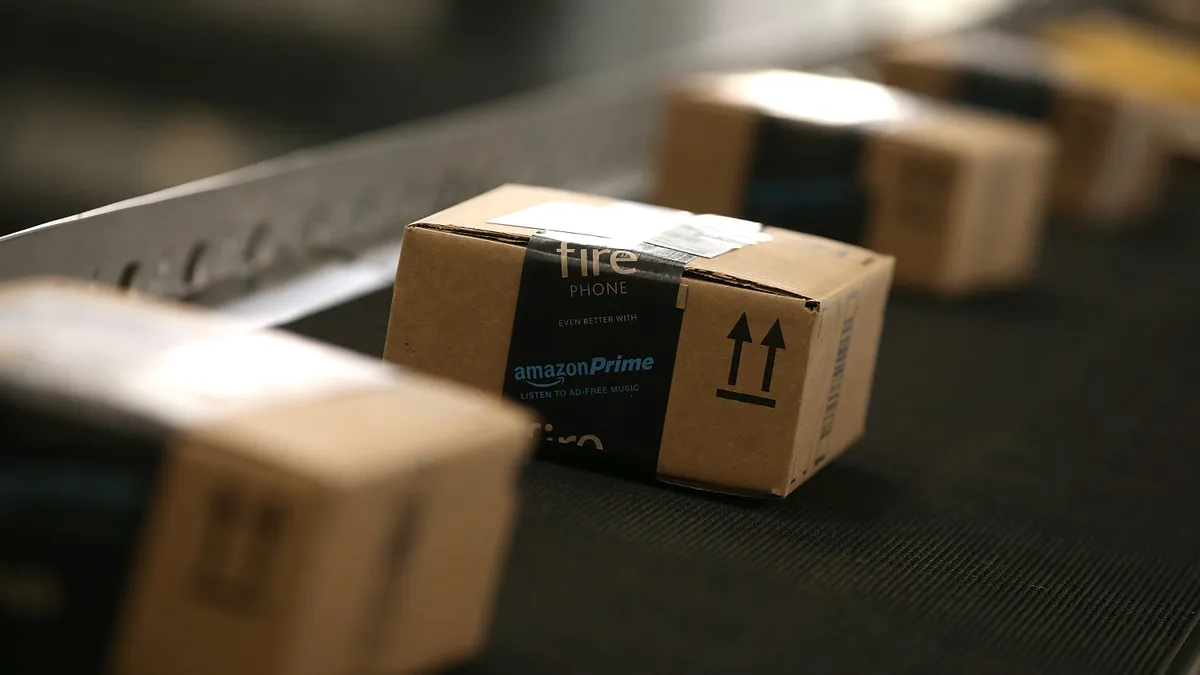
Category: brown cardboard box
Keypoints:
(1185, 13)
(1130, 56)
(744, 372)
(184, 496)
(957, 197)
(1113, 151)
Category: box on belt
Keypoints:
(180, 495)
(1131, 56)
(705, 351)
(1112, 149)
(956, 196)
(1185, 13)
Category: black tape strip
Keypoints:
(1024, 96)
(808, 177)
(74, 494)
(593, 349)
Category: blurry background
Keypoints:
(101, 101)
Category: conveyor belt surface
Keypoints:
(1025, 501)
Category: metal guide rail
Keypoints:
(329, 219)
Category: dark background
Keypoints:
(102, 101)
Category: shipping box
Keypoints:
(1113, 149)
(181, 495)
(708, 352)
(1183, 13)
(1132, 56)
(956, 196)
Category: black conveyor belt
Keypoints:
(1026, 501)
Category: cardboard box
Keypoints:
(1112, 153)
(179, 495)
(1184, 13)
(744, 372)
(1130, 56)
(956, 196)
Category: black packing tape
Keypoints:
(1021, 96)
(73, 499)
(808, 177)
(593, 348)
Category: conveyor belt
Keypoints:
(1025, 501)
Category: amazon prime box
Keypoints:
(1113, 148)
(704, 351)
(956, 196)
(178, 494)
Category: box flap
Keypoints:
(791, 263)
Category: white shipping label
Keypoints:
(630, 223)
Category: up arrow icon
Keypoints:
(773, 342)
(740, 335)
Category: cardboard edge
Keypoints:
(473, 232)
(713, 488)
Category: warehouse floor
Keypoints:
(1025, 500)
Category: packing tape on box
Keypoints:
(612, 276)
(631, 224)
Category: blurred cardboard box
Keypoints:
(1112, 152)
(180, 495)
(1185, 13)
(1131, 56)
(956, 196)
(704, 351)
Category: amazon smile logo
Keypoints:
(547, 385)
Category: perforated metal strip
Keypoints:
(595, 135)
